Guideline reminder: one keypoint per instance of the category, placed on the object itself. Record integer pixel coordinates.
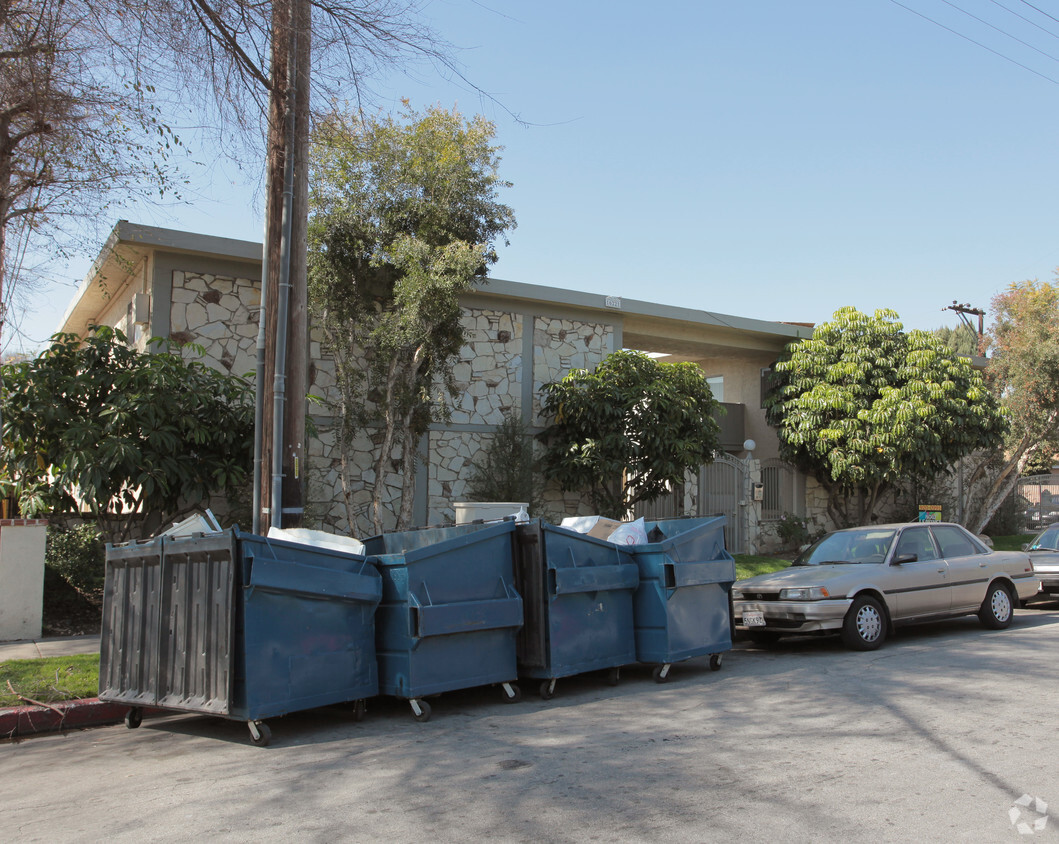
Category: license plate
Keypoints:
(753, 619)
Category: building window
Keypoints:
(716, 383)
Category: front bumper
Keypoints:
(793, 616)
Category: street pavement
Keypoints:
(935, 737)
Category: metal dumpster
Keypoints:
(578, 604)
(681, 607)
(449, 613)
(236, 625)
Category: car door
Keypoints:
(968, 564)
(918, 587)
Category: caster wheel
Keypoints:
(515, 693)
(133, 718)
(547, 690)
(260, 734)
(715, 662)
(424, 712)
(661, 673)
(613, 676)
(360, 709)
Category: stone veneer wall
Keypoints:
(220, 313)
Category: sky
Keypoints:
(769, 159)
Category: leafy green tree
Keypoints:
(862, 406)
(403, 217)
(1023, 373)
(629, 430)
(961, 340)
(92, 425)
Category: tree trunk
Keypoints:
(382, 460)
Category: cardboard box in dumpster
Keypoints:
(609, 530)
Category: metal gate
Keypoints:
(1040, 497)
(722, 490)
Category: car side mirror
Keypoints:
(905, 558)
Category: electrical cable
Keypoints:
(976, 43)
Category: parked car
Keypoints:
(862, 582)
(1044, 554)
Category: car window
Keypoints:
(955, 542)
(916, 541)
(863, 545)
(1048, 539)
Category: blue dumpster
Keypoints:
(681, 607)
(578, 604)
(237, 625)
(449, 613)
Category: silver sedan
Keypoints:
(862, 582)
(1044, 552)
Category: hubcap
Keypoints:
(869, 623)
(1001, 605)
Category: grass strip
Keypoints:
(49, 679)
(748, 565)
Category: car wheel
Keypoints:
(864, 627)
(997, 608)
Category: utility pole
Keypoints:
(282, 361)
(962, 311)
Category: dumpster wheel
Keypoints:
(547, 689)
(360, 708)
(715, 662)
(613, 676)
(661, 673)
(260, 734)
(133, 717)
(420, 709)
(512, 693)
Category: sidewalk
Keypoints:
(37, 648)
(20, 721)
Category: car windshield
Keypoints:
(1046, 540)
(866, 545)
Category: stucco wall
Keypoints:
(21, 578)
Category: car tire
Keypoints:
(864, 628)
(998, 609)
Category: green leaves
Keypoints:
(628, 430)
(863, 405)
(97, 424)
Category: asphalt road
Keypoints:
(932, 738)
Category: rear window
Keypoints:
(956, 542)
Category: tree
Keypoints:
(507, 468)
(75, 130)
(862, 406)
(92, 425)
(1023, 374)
(629, 430)
(961, 340)
(404, 215)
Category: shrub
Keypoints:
(78, 556)
(793, 531)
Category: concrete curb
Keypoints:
(21, 721)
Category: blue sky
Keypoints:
(763, 158)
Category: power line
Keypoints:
(1024, 3)
(1001, 31)
(976, 43)
(1043, 29)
